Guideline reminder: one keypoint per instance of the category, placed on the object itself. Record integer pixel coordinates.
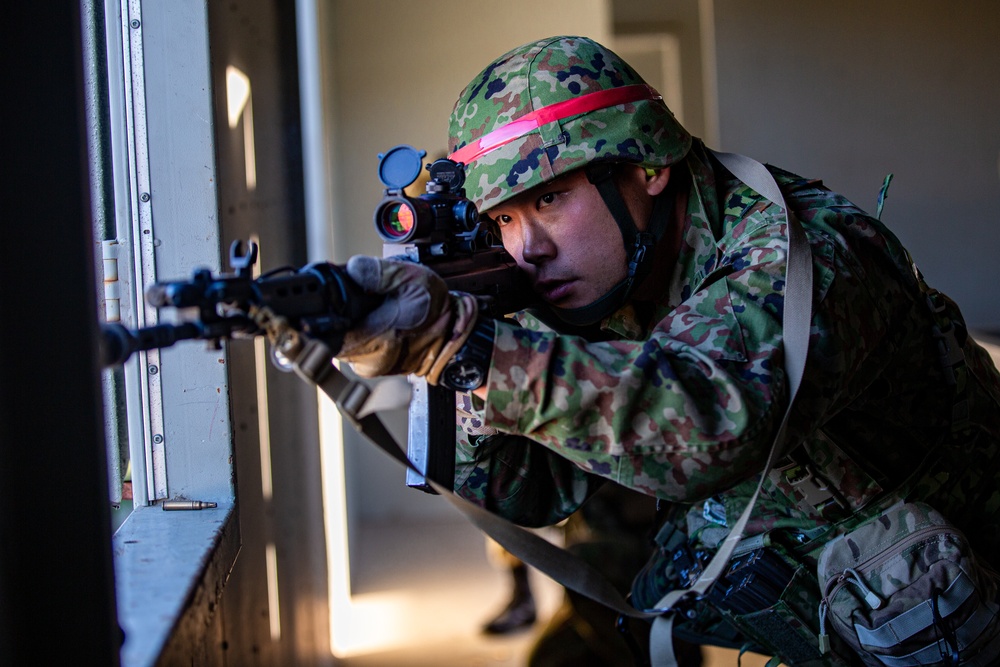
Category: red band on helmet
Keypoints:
(519, 127)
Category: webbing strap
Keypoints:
(921, 617)
(312, 361)
(602, 176)
(965, 636)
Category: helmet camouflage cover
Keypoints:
(550, 107)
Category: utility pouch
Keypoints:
(905, 589)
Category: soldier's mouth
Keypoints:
(555, 291)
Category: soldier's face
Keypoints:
(563, 236)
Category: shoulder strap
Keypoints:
(312, 360)
(796, 322)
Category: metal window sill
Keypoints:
(170, 566)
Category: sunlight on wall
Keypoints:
(239, 100)
(373, 622)
(273, 607)
(331, 437)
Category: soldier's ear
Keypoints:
(656, 180)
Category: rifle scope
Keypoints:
(433, 217)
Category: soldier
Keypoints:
(655, 360)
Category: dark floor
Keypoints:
(423, 592)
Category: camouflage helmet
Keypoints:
(550, 107)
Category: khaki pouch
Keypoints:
(905, 590)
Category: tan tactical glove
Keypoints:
(417, 329)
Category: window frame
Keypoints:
(168, 565)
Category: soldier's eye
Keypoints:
(546, 199)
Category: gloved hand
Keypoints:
(417, 329)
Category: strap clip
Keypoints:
(815, 490)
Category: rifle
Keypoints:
(319, 300)
(440, 229)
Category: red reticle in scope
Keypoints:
(398, 220)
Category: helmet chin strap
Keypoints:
(638, 249)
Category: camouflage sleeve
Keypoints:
(513, 476)
(672, 416)
(687, 412)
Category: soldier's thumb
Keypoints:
(366, 272)
(408, 298)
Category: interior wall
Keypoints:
(681, 19)
(397, 68)
(853, 90)
(275, 603)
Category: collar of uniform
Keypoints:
(625, 323)
(696, 258)
(699, 250)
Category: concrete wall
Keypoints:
(681, 19)
(853, 90)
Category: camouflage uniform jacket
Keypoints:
(683, 401)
